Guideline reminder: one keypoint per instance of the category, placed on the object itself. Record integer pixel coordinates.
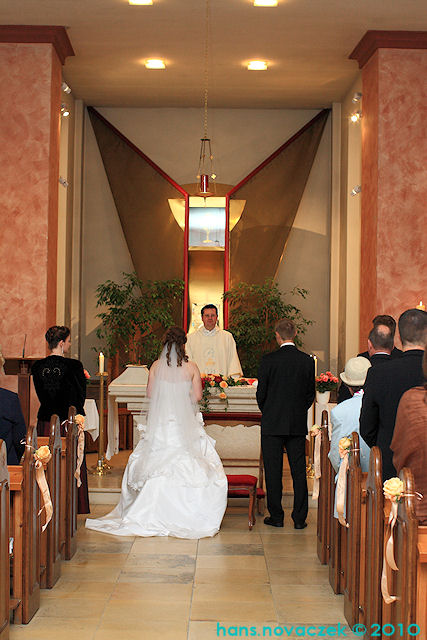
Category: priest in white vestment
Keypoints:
(212, 348)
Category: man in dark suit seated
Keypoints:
(12, 425)
(386, 383)
(285, 392)
(380, 347)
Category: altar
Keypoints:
(239, 408)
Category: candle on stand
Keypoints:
(101, 362)
(421, 306)
(315, 365)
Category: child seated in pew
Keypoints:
(409, 443)
(345, 416)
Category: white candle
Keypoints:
(101, 362)
(315, 366)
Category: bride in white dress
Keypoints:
(174, 483)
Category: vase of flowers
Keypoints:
(325, 383)
(217, 384)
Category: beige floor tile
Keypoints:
(232, 593)
(72, 608)
(234, 563)
(226, 575)
(232, 537)
(310, 575)
(229, 549)
(291, 562)
(94, 560)
(41, 628)
(89, 573)
(230, 562)
(143, 630)
(142, 609)
(296, 604)
(72, 589)
(164, 545)
(223, 611)
(161, 592)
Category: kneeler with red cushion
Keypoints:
(245, 486)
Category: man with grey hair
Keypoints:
(387, 382)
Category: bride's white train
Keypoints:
(174, 483)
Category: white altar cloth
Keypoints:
(92, 418)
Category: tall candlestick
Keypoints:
(101, 363)
(315, 365)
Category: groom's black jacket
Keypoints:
(286, 390)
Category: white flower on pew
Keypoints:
(344, 446)
(42, 455)
(393, 489)
(80, 422)
(316, 429)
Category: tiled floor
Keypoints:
(236, 584)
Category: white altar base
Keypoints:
(234, 440)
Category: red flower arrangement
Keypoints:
(217, 381)
(326, 382)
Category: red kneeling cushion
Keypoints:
(241, 480)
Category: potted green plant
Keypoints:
(136, 314)
(254, 310)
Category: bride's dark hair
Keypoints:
(175, 336)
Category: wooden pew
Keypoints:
(338, 545)
(324, 504)
(4, 544)
(374, 541)
(422, 579)
(50, 543)
(410, 604)
(356, 536)
(25, 531)
(68, 527)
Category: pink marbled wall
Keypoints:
(29, 127)
(394, 262)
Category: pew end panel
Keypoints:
(4, 544)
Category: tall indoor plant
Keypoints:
(254, 310)
(137, 313)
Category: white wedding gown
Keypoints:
(174, 483)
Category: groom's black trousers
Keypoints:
(272, 453)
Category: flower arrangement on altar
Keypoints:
(216, 384)
(326, 382)
(86, 375)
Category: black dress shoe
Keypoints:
(300, 525)
(273, 523)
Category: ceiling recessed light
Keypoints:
(265, 3)
(257, 65)
(141, 2)
(155, 64)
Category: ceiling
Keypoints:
(306, 42)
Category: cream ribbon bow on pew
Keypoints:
(344, 448)
(315, 432)
(393, 491)
(80, 422)
(42, 456)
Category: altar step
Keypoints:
(106, 489)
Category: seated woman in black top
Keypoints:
(60, 383)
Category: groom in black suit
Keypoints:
(286, 390)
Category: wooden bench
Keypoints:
(374, 541)
(356, 535)
(4, 544)
(68, 525)
(406, 583)
(25, 531)
(324, 504)
(50, 539)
